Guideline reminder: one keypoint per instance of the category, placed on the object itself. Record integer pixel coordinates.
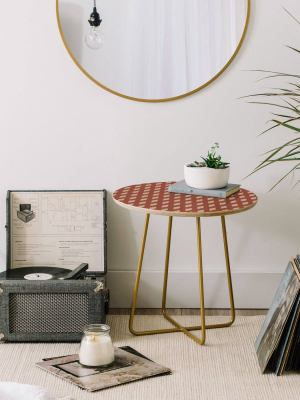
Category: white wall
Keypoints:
(61, 131)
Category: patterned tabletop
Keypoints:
(154, 198)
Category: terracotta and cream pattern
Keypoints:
(155, 198)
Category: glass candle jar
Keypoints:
(96, 348)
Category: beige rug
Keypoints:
(224, 368)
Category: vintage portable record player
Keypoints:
(25, 213)
(41, 299)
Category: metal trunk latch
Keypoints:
(100, 286)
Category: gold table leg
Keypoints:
(180, 328)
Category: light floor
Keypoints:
(225, 368)
(187, 311)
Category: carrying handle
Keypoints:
(76, 272)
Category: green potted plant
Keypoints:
(211, 173)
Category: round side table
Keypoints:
(154, 198)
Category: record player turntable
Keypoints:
(25, 213)
(53, 303)
(37, 273)
(50, 304)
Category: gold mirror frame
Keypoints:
(154, 100)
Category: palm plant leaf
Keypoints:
(296, 167)
(289, 96)
(291, 15)
(293, 48)
(287, 126)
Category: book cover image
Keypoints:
(276, 318)
(287, 339)
(127, 367)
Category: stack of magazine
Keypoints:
(278, 343)
(129, 366)
(182, 187)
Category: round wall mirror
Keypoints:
(153, 50)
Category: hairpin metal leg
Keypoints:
(138, 275)
(228, 272)
(137, 281)
(179, 328)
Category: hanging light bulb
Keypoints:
(94, 38)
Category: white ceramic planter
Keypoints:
(206, 178)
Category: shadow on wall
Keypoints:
(71, 17)
(274, 220)
(121, 240)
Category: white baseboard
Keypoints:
(251, 289)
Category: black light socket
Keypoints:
(95, 18)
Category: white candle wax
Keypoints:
(96, 351)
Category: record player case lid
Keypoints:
(27, 206)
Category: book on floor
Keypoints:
(129, 366)
(182, 187)
(278, 343)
